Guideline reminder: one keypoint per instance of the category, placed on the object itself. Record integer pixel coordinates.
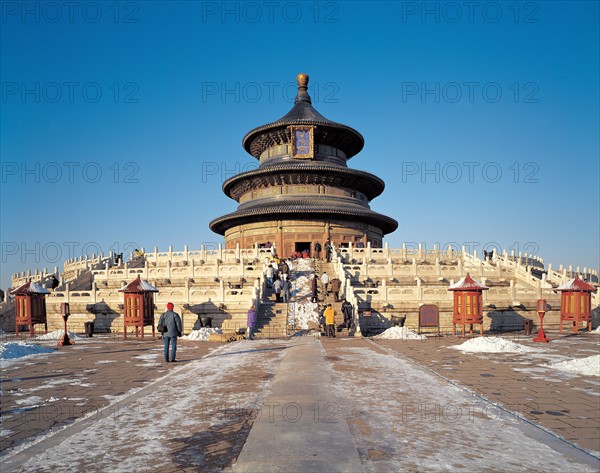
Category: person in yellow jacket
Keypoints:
(330, 321)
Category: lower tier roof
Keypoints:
(309, 211)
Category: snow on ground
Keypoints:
(202, 334)
(180, 406)
(491, 345)
(57, 335)
(302, 311)
(400, 333)
(151, 359)
(304, 314)
(407, 419)
(597, 330)
(20, 350)
(589, 366)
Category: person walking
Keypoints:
(277, 285)
(336, 285)
(347, 310)
(285, 289)
(330, 321)
(251, 322)
(318, 250)
(328, 250)
(325, 279)
(270, 273)
(172, 321)
(314, 287)
(284, 268)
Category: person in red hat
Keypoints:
(172, 321)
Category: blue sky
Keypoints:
(120, 121)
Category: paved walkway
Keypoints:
(301, 405)
(294, 432)
(566, 404)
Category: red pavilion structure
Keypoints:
(576, 303)
(30, 306)
(138, 309)
(468, 304)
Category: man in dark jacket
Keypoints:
(347, 311)
(317, 250)
(172, 321)
(328, 250)
(314, 287)
(336, 285)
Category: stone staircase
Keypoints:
(341, 329)
(272, 320)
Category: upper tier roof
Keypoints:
(327, 132)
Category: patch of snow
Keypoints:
(30, 401)
(147, 356)
(101, 362)
(151, 359)
(417, 422)
(400, 333)
(597, 330)
(589, 366)
(202, 334)
(13, 350)
(303, 312)
(188, 410)
(57, 335)
(491, 345)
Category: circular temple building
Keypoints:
(303, 191)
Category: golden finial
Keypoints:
(302, 80)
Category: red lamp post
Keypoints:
(65, 312)
(541, 310)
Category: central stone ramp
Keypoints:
(301, 427)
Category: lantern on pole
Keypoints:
(65, 311)
(541, 310)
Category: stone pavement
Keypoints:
(303, 404)
(566, 404)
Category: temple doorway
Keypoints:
(300, 246)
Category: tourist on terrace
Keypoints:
(172, 321)
(347, 311)
(336, 285)
(330, 321)
(314, 287)
(251, 322)
(285, 289)
(318, 250)
(325, 279)
(277, 285)
(328, 250)
(270, 274)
